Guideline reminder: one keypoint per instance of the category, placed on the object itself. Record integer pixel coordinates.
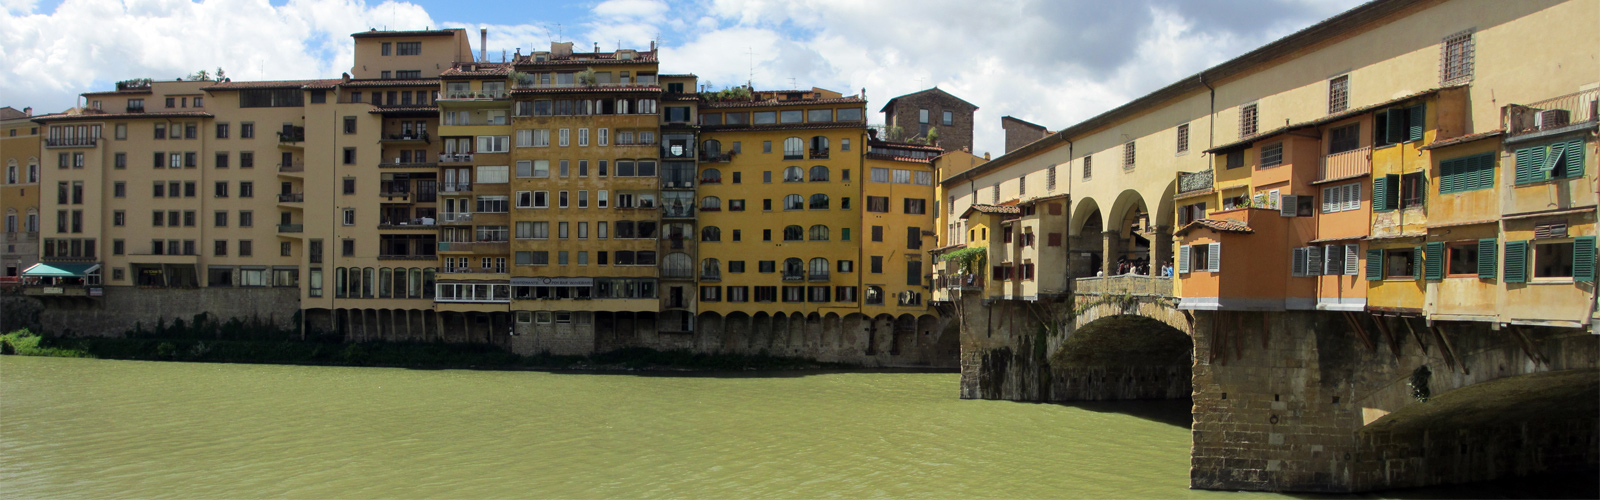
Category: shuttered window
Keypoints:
(1313, 261)
(1397, 125)
(1562, 160)
(1215, 260)
(1334, 265)
(1385, 193)
(1433, 261)
(1374, 264)
(1298, 265)
(1516, 262)
(1183, 259)
(1466, 174)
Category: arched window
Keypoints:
(909, 298)
(793, 269)
(677, 265)
(340, 286)
(710, 233)
(793, 233)
(819, 173)
(427, 282)
(793, 174)
(415, 289)
(712, 148)
(711, 176)
(794, 202)
(792, 148)
(874, 295)
(366, 283)
(819, 232)
(818, 269)
(819, 147)
(710, 204)
(819, 201)
(710, 269)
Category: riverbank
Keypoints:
(437, 355)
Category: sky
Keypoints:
(1051, 62)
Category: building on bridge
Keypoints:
(1422, 221)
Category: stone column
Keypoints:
(1160, 249)
(1112, 241)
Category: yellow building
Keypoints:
(898, 220)
(20, 150)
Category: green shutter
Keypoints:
(1434, 262)
(1516, 262)
(1583, 258)
(1393, 201)
(1451, 173)
(1380, 194)
(1396, 126)
(1483, 172)
(1486, 258)
(1417, 272)
(1573, 160)
(1416, 122)
(1374, 264)
(1530, 164)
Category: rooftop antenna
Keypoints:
(792, 85)
(749, 51)
(919, 82)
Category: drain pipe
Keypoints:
(1211, 128)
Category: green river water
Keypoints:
(84, 428)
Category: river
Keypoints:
(121, 429)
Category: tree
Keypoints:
(586, 77)
(932, 139)
(200, 76)
(895, 134)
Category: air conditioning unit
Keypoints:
(688, 184)
(670, 184)
(1552, 118)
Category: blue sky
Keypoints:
(1053, 62)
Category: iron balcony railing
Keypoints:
(71, 142)
(1555, 112)
(819, 276)
(455, 187)
(291, 228)
(455, 157)
(291, 197)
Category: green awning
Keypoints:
(62, 270)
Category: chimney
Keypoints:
(985, 156)
(597, 47)
(28, 111)
(652, 45)
(483, 43)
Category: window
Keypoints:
(878, 204)
(1343, 139)
(949, 118)
(1562, 160)
(1272, 155)
(767, 266)
(1234, 159)
(349, 216)
(1399, 264)
(1088, 167)
(916, 206)
(793, 148)
(1247, 120)
(1466, 174)
(819, 201)
(1183, 138)
(1412, 187)
(877, 234)
(793, 202)
(1200, 258)
(1464, 258)
(1455, 58)
(408, 48)
(1341, 198)
(1338, 94)
(1397, 125)
(247, 159)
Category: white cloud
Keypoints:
(1054, 62)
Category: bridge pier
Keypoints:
(1315, 401)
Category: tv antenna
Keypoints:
(749, 51)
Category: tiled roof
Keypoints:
(421, 82)
(1338, 238)
(674, 75)
(559, 90)
(403, 109)
(906, 145)
(1242, 143)
(1221, 226)
(10, 113)
(137, 91)
(679, 97)
(1464, 139)
(996, 209)
(268, 84)
(881, 156)
(589, 59)
(774, 102)
(117, 116)
(783, 126)
(383, 34)
(479, 69)
(946, 248)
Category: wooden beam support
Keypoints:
(1527, 346)
(1383, 326)
(1265, 330)
(1449, 350)
(1414, 334)
(1238, 339)
(1355, 324)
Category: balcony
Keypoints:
(291, 136)
(704, 276)
(708, 156)
(1127, 284)
(475, 96)
(71, 142)
(406, 137)
(291, 228)
(1555, 115)
(957, 281)
(818, 276)
(455, 158)
(788, 276)
(643, 82)
(473, 270)
(711, 180)
(135, 109)
(292, 168)
(677, 212)
(1194, 182)
(391, 195)
(481, 247)
(407, 257)
(819, 154)
(1352, 163)
(418, 223)
(455, 218)
(456, 187)
(408, 164)
(291, 198)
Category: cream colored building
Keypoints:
(21, 149)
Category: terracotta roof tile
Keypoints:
(1464, 139)
(119, 116)
(403, 109)
(774, 102)
(1246, 142)
(419, 82)
(783, 126)
(881, 156)
(267, 84)
(997, 209)
(559, 90)
(480, 69)
(384, 34)
(1221, 226)
(589, 58)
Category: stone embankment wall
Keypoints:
(121, 308)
